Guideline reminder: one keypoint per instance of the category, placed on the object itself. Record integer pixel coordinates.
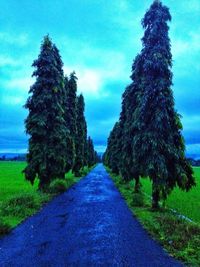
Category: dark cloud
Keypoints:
(103, 36)
(192, 136)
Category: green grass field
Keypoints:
(186, 203)
(13, 184)
(12, 180)
(18, 198)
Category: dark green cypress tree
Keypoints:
(45, 123)
(81, 136)
(158, 145)
(71, 91)
(91, 152)
(126, 164)
(97, 157)
(104, 158)
(107, 154)
(85, 160)
(129, 167)
(85, 150)
(113, 152)
(70, 117)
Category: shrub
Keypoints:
(85, 171)
(58, 186)
(138, 200)
(4, 228)
(118, 180)
(69, 182)
(177, 235)
(21, 205)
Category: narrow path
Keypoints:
(90, 225)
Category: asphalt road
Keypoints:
(89, 225)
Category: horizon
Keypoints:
(100, 46)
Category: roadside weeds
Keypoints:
(178, 236)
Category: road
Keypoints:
(89, 225)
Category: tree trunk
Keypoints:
(77, 173)
(44, 183)
(155, 196)
(62, 176)
(137, 184)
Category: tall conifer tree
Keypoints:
(91, 152)
(85, 150)
(70, 117)
(71, 91)
(113, 152)
(81, 136)
(129, 167)
(45, 123)
(158, 145)
(85, 147)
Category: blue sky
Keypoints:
(99, 40)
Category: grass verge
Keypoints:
(19, 200)
(187, 203)
(179, 237)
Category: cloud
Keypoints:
(89, 80)
(99, 40)
(13, 100)
(190, 121)
(194, 40)
(193, 150)
(179, 47)
(110, 67)
(7, 61)
(12, 130)
(100, 149)
(14, 39)
(190, 6)
(182, 47)
(15, 91)
(22, 83)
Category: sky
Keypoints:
(99, 40)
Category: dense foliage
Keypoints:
(113, 153)
(70, 116)
(81, 136)
(147, 141)
(55, 123)
(92, 157)
(45, 122)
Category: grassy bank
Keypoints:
(186, 203)
(19, 199)
(179, 237)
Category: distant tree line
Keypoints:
(147, 139)
(56, 123)
(194, 162)
(20, 157)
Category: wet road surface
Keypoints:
(89, 225)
